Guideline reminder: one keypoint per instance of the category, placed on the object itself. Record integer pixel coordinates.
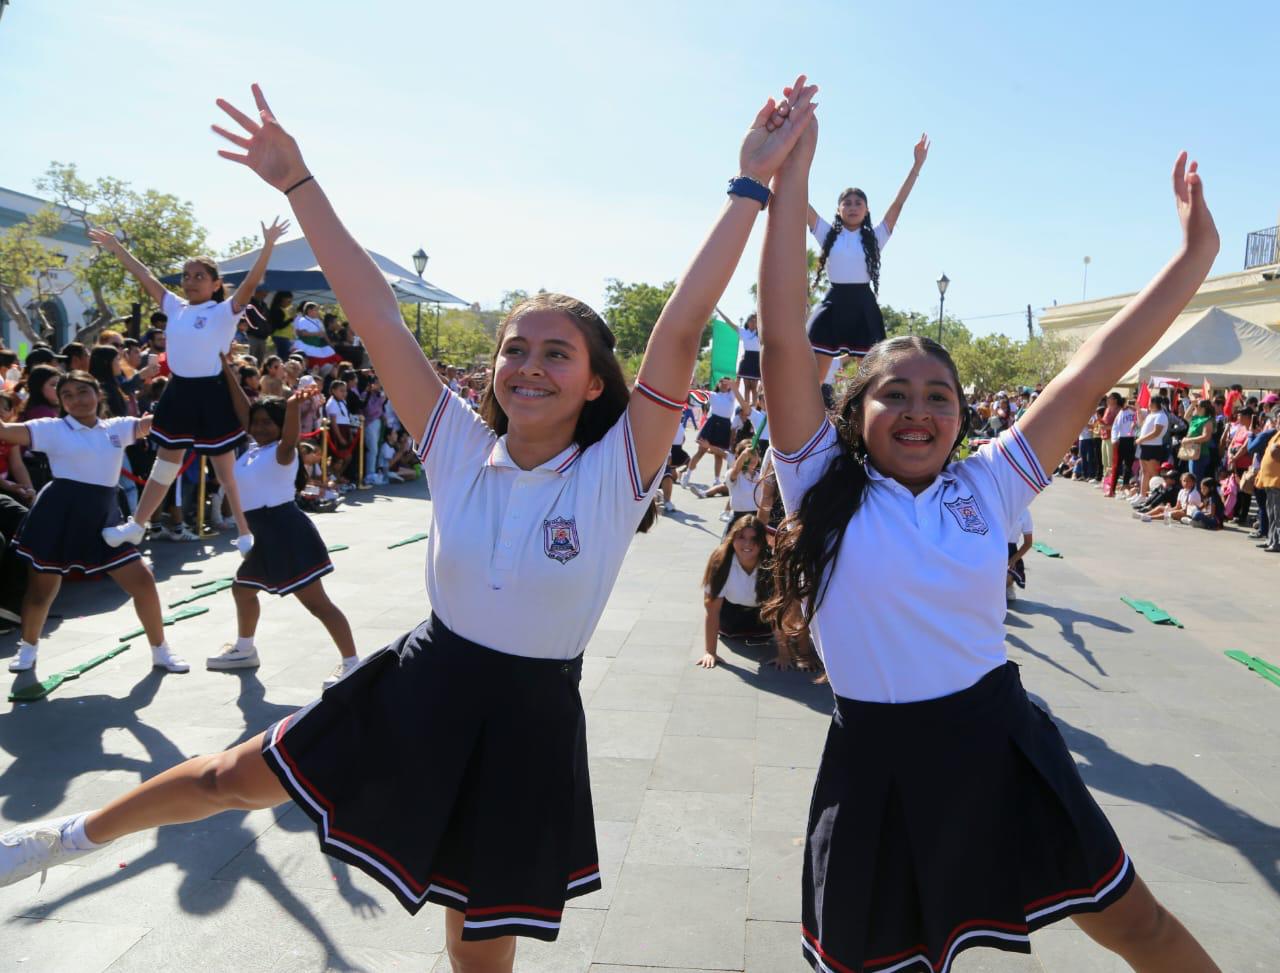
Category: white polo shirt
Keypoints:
(847, 262)
(523, 561)
(1123, 427)
(914, 606)
(337, 411)
(262, 479)
(742, 491)
(739, 587)
(750, 339)
(723, 404)
(197, 334)
(88, 454)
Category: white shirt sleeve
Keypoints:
(223, 318)
(171, 305)
(47, 435)
(820, 229)
(882, 233)
(1015, 472)
(454, 441)
(125, 426)
(797, 472)
(613, 465)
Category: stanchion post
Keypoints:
(360, 484)
(200, 494)
(324, 452)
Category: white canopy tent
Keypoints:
(293, 267)
(1212, 344)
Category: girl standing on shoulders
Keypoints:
(195, 410)
(848, 321)
(749, 360)
(288, 557)
(63, 531)
(534, 502)
(947, 812)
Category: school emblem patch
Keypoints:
(114, 440)
(200, 322)
(967, 515)
(560, 539)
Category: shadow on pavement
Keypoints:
(66, 736)
(1175, 795)
(795, 684)
(1068, 619)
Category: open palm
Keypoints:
(775, 130)
(1193, 212)
(268, 149)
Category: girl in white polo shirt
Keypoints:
(195, 410)
(749, 360)
(451, 765)
(63, 531)
(848, 320)
(289, 557)
(716, 435)
(947, 811)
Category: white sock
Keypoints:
(34, 646)
(74, 837)
(162, 647)
(245, 645)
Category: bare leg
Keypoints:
(1146, 935)
(315, 600)
(483, 956)
(236, 779)
(140, 585)
(718, 455)
(153, 493)
(701, 452)
(247, 610)
(42, 588)
(224, 464)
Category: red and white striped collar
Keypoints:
(561, 463)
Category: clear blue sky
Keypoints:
(555, 145)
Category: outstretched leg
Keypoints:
(1145, 934)
(224, 464)
(236, 779)
(157, 485)
(316, 600)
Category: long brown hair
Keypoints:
(721, 560)
(809, 539)
(600, 414)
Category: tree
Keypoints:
(27, 264)
(464, 334)
(159, 228)
(632, 310)
(510, 299)
(245, 244)
(817, 282)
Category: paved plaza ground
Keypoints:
(701, 779)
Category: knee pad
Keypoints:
(165, 471)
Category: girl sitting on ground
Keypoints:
(1188, 502)
(735, 584)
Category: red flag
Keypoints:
(1144, 397)
(1207, 389)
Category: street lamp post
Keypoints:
(942, 297)
(437, 344)
(419, 265)
(1084, 287)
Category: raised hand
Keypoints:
(775, 131)
(272, 233)
(269, 150)
(105, 239)
(302, 393)
(1198, 227)
(921, 150)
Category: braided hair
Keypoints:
(870, 245)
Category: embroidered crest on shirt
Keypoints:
(967, 515)
(200, 322)
(114, 440)
(560, 539)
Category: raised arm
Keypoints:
(107, 240)
(673, 345)
(270, 234)
(1052, 421)
(786, 359)
(895, 208)
(287, 448)
(239, 400)
(359, 286)
(811, 217)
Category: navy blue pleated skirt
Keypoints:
(846, 322)
(288, 552)
(62, 533)
(196, 413)
(451, 773)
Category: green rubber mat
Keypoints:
(168, 620)
(209, 588)
(1261, 666)
(1152, 612)
(1045, 549)
(408, 540)
(47, 685)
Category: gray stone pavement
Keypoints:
(701, 779)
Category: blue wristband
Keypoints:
(749, 188)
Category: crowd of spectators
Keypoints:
(269, 361)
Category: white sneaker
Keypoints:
(684, 480)
(726, 517)
(244, 544)
(25, 659)
(395, 477)
(340, 670)
(31, 848)
(163, 657)
(668, 506)
(232, 658)
(717, 482)
(180, 533)
(1010, 594)
(130, 532)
